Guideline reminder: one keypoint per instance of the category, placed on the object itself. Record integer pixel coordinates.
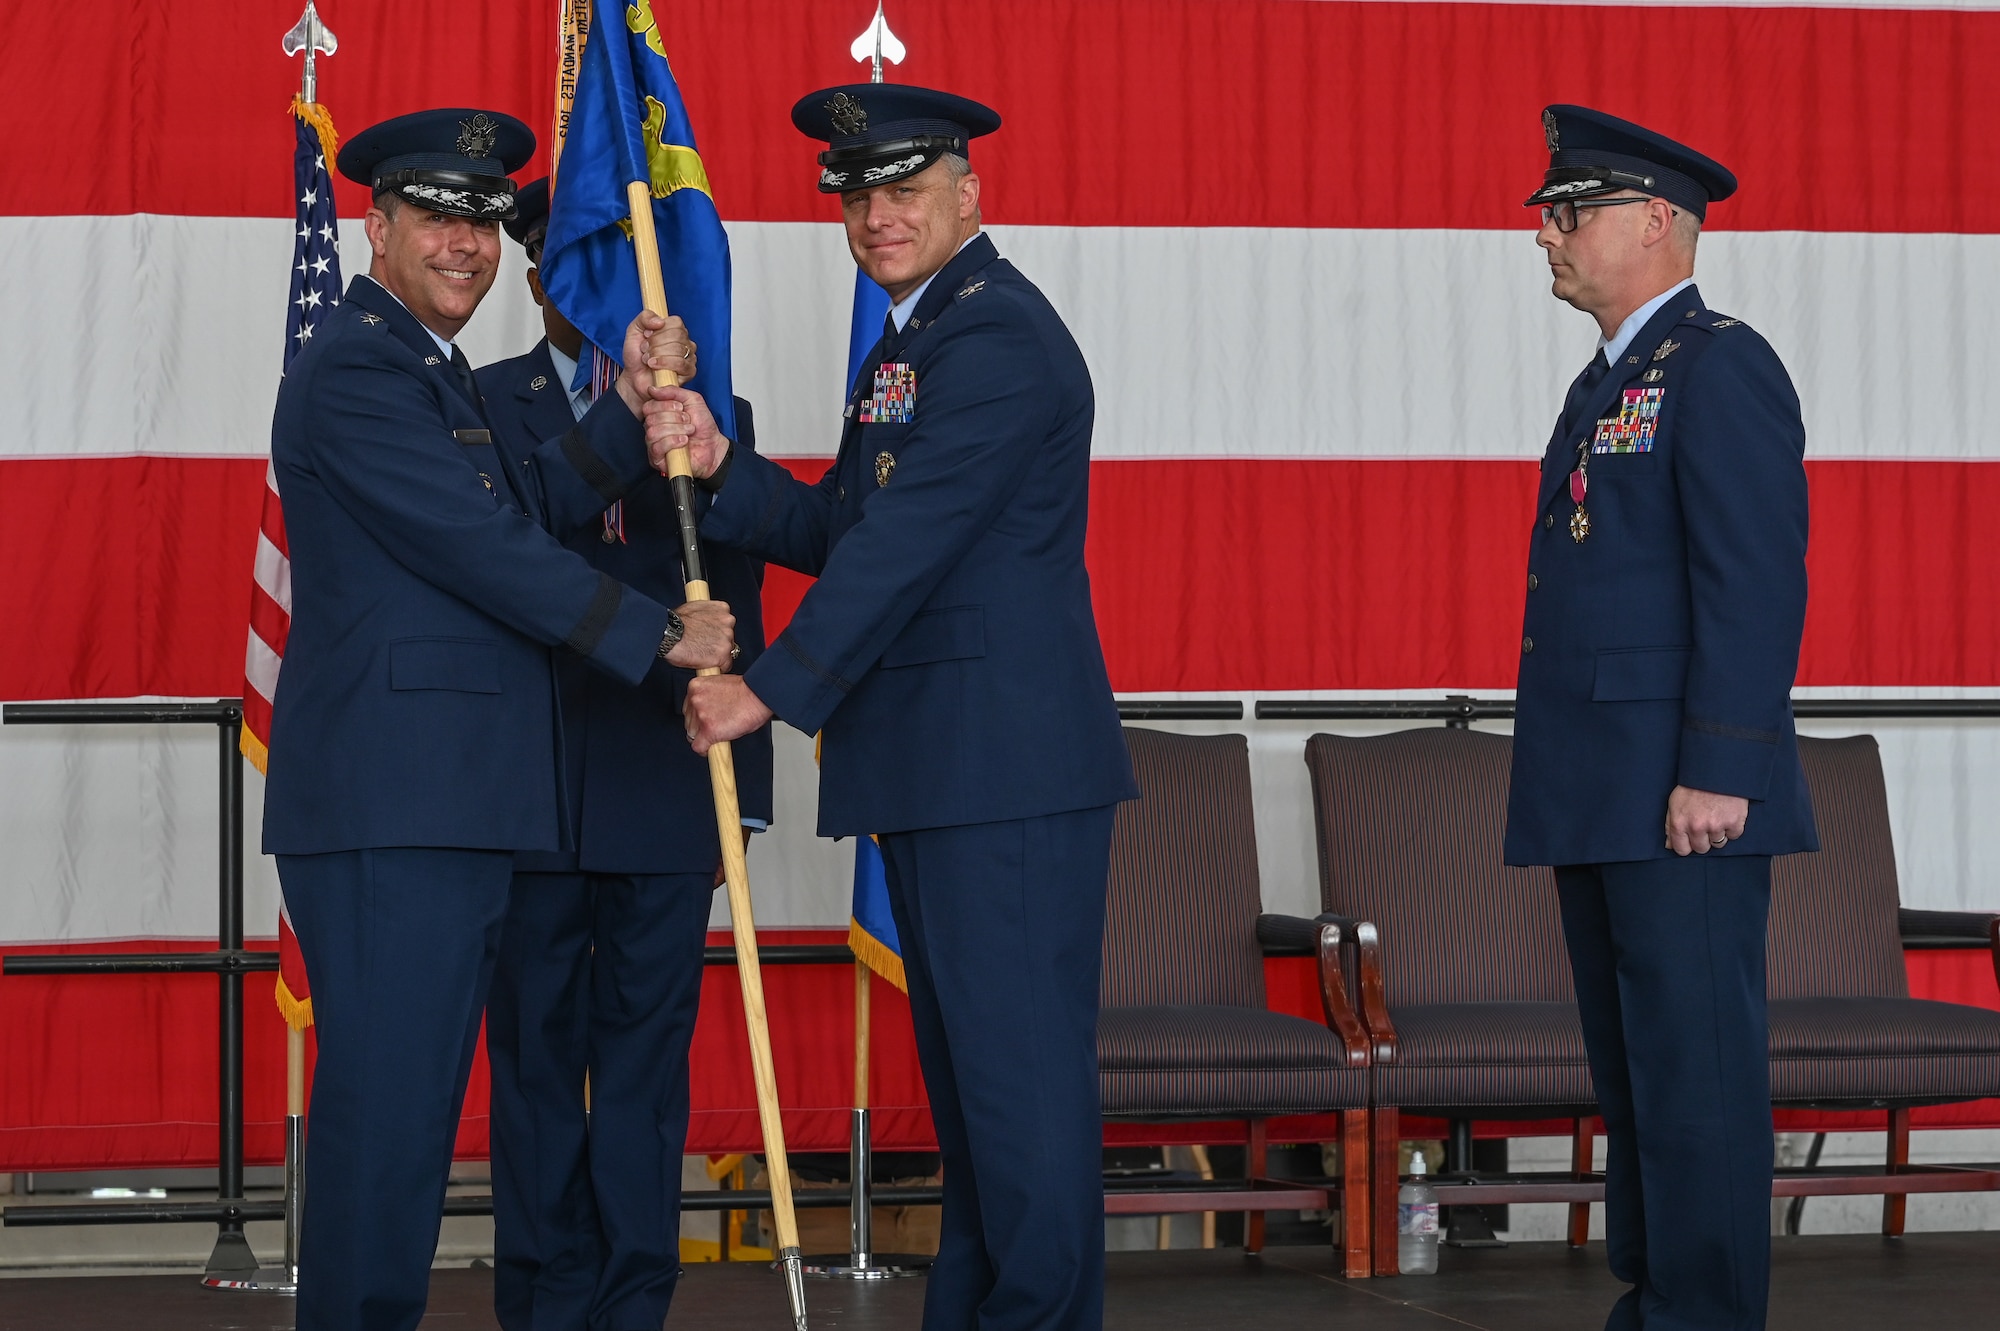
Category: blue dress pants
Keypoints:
(1669, 962)
(399, 946)
(599, 975)
(1002, 932)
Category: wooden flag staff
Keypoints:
(728, 814)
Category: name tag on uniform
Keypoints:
(473, 436)
(895, 399)
(1632, 429)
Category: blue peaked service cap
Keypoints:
(456, 160)
(530, 222)
(1591, 153)
(880, 132)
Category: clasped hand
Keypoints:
(677, 418)
(708, 636)
(655, 345)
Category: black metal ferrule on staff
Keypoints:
(691, 565)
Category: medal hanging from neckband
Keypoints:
(1579, 486)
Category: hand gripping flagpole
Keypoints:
(728, 813)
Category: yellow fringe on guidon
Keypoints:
(875, 955)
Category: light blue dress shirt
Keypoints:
(1615, 346)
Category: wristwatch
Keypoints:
(672, 637)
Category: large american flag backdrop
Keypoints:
(1287, 234)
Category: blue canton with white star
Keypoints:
(315, 243)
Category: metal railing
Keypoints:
(230, 961)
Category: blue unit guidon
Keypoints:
(1632, 429)
(895, 398)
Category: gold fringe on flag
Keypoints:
(876, 956)
(321, 120)
(260, 757)
(297, 1012)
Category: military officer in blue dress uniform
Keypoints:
(601, 955)
(1655, 762)
(948, 657)
(414, 739)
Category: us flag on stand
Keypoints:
(315, 291)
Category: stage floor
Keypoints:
(1819, 1284)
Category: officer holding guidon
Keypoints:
(599, 975)
(1655, 761)
(413, 744)
(948, 657)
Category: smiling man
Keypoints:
(948, 657)
(413, 739)
(1655, 762)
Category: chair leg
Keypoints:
(1260, 1166)
(1896, 1205)
(1582, 1142)
(1356, 1203)
(1384, 1178)
(1207, 1173)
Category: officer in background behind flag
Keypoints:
(1655, 761)
(600, 966)
(413, 744)
(948, 655)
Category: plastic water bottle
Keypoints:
(1417, 1223)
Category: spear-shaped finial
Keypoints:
(315, 39)
(877, 42)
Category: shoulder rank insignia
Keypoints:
(432, 360)
(971, 287)
(1725, 323)
(539, 382)
(885, 467)
(1667, 348)
(371, 319)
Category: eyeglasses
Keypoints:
(1564, 214)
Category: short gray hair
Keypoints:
(1687, 230)
(956, 167)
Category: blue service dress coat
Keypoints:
(416, 704)
(948, 654)
(1661, 649)
(639, 796)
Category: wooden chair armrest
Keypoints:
(1336, 1000)
(1374, 996)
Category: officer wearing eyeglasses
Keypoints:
(1655, 762)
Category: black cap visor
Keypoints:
(1585, 182)
(864, 167)
(459, 193)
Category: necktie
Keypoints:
(463, 367)
(1580, 391)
